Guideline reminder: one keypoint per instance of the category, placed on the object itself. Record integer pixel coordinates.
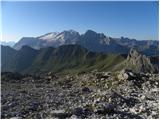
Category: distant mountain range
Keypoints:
(10, 43)
(73, 58)
(95, 42)
(69, 51)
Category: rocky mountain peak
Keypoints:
(92, 35)
(48, 36)
(67, 37)
(133, 53)
(93, 41)
(70, 31)
(95, 34)
(54, 36)
(139, 62)
(68, 34)
(90, 32)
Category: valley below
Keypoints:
(94, 94)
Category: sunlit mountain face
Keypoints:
(91, 40)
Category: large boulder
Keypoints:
(126, 75)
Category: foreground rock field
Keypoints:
(96, 95)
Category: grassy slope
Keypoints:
(69, 58)
(78, 63)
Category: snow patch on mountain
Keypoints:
(48, 36)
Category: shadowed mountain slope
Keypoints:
(91, 40)
(71, 58)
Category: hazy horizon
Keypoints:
(135, 20)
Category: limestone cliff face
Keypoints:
(139, 63)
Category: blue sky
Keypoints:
(137, 20)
